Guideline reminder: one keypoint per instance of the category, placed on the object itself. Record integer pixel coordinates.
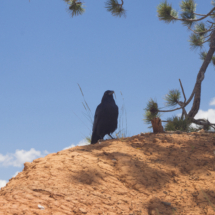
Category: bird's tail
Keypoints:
(94, 138)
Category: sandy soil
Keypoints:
(144, 174)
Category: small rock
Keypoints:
(164, 141)
(27, 165)
(166, 203)
(178, 132)
(83, 210)
(153, 212)
(156, 140)
(201, 131)
(41, 207)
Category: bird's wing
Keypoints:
(96, 117)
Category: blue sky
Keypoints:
(44, 53)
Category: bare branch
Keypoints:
(169, 110)
(184, 112)
(206, 41)
(202, 122)
(200, 14)
(208, 35)
(210, 22)
(182, 90)
(182, 115)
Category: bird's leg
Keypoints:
(110, 136)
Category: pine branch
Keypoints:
(188, 7)
(213, 60)
(151, 111)
(195, 20)
(166, 13)
(196, 40)
(203, 55)
(200, 29)
(172, 98)
(75, 7)
(115, 8)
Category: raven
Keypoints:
(105, 119)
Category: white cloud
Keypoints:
(81, 143)
(2, 183)
(209, 114)
(18, 158)
(212, 102)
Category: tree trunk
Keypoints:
(157, 126)
(200, 77)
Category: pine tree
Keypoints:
(202, 27)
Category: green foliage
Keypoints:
(76, 7)
(188, 8)
(88, 139)
(172, 98)
(188, 5)
(203, 55)
(200, 28)
(213, 15)
(115, 8)
(196, 41)
(188, 18)
(176, 123)
(213, 60)
(151, 111)
(166, 13)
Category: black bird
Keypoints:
(105, 119)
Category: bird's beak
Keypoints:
(111, 93)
